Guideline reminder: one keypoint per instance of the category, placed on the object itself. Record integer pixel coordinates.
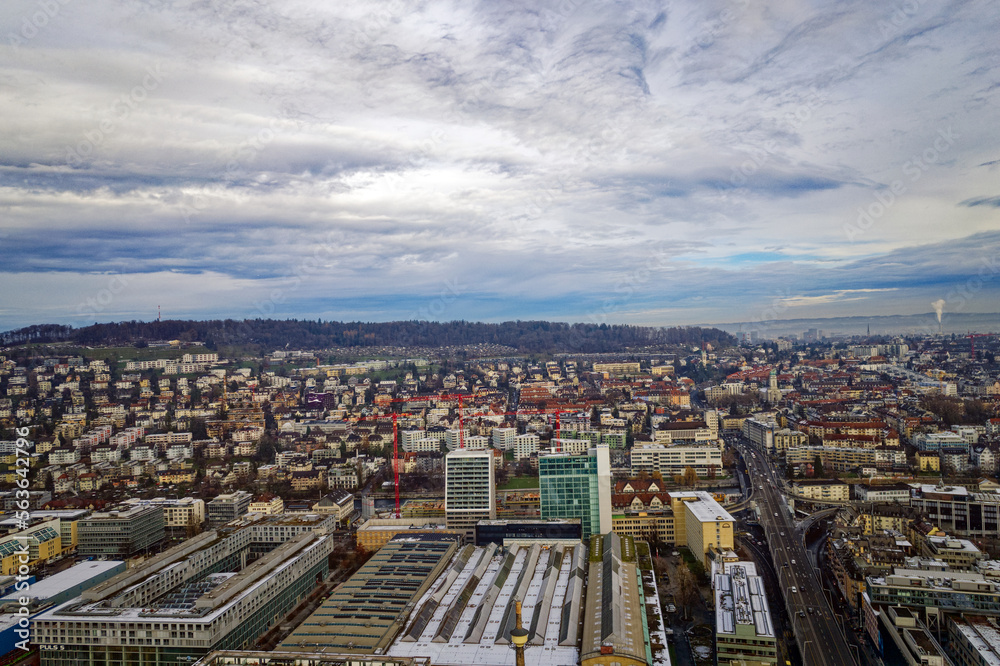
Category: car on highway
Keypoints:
(795, 590)
(793, 561)
(802, 613)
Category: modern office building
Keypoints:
(936, 592)
(219, 590)
(577, 486)
(958, 511)
(227, 507)
(743, 628)
(121, 533)
(470, 490)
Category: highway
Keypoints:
(821, 641)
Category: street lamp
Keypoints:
(518, 636)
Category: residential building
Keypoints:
(503, 438)
(671, 461)
(822, 489)
(267, 504)
(525, 446)
(338, 503)
(470, 489)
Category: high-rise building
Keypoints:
(577, 486)
(470, 494)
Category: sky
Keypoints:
(659, 163)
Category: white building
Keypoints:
(470, 489)
(525, 445)
(503, 438)
(673, 460)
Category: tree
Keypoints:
(690, 476)
(818, 467)
(687, 590)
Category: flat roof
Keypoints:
(741, 599)
(65, 580)
(983, 635)
(704, 507)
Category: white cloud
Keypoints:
(535, 151)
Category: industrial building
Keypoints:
(219, 590)
(367, 612)
(467, 614)
(376, 532)
(614, 623)
(526, 532)
(63, 586)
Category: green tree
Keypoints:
(818, 470)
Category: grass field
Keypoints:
(519, 482)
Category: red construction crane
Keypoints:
(972, 341)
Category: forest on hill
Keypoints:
(525, 336)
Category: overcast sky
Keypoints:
(637, 162)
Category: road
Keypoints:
(817, 629)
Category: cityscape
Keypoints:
(800, 500)
(435, 333)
